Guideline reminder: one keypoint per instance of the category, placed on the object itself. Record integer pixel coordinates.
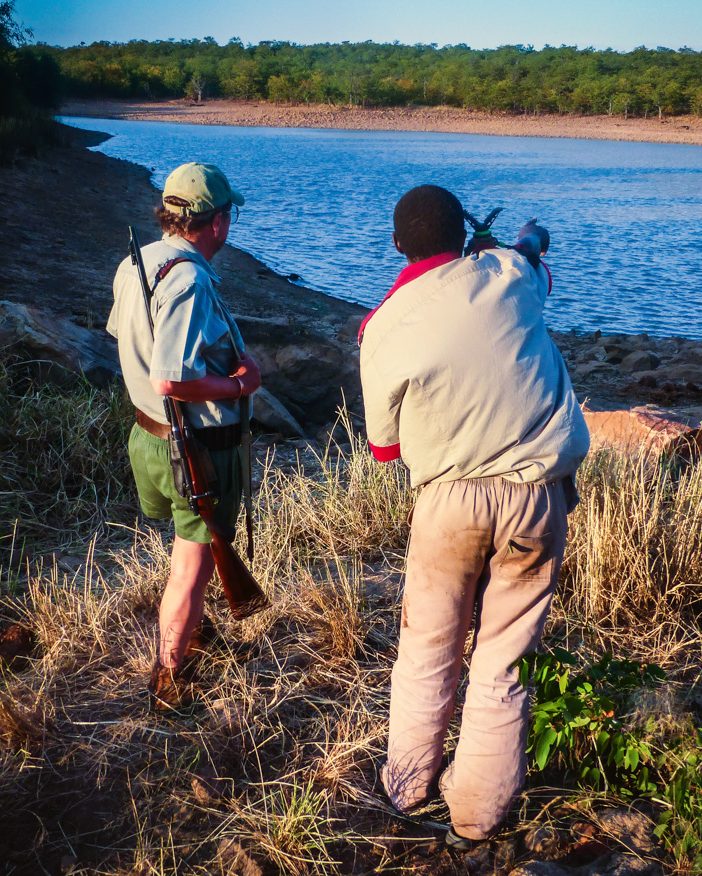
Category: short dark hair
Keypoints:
(429, 220)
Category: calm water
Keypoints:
(625, 218)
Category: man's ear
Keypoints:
(398, 247)
(216, 223)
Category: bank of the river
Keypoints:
(678, 129)
(67, 230)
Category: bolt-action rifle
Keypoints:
(195, 481)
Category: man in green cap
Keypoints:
(196, 356)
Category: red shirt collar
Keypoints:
(406, 275)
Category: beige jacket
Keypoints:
(461, 378)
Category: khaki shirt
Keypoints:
(461, 378)
(193, 331)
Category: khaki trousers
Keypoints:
(483, 553)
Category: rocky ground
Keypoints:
(619, 371)
(678, 129)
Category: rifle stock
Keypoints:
(242, 591)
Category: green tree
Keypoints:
(513, 78)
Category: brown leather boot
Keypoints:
(172, 689)
(168, 689)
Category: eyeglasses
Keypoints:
(233, 212)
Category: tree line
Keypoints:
(516, 79)
(30, 76)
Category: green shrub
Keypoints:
(586, 721)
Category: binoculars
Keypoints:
(532, 241)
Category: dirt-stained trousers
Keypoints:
(484, 553)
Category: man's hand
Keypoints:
(248, 374)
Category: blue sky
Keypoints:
(621, 24)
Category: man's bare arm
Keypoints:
(244, 381)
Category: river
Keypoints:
(625, 218)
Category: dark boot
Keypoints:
(168, 689)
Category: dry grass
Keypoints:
(273, 770)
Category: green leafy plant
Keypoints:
(579, 720)
(680, 824)
(583, 723)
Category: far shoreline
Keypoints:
(682, 130)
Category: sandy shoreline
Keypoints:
(679, 129)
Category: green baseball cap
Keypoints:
(195, 188)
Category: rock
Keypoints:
(608, 865)
(643, 428)
(49, 337)
(615, 353)
(306, 370)
(274, 416)
(640, 360)
(304, 375)
(630, 828)
(543, 840)
(582, 372)
(16, 644)
(235, 860)
(684, 372)
(621, 865)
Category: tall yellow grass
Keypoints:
(274, 768)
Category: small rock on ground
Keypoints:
(235, 860)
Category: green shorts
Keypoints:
(158, 498)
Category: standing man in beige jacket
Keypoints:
(462, 381)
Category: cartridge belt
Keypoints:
(212, 437)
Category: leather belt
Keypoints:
(153, 427)
(212, 437)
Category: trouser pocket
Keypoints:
(528, 556)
